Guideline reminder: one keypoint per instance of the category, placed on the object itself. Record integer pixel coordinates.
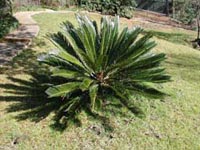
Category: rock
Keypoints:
(20, 139)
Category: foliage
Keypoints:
(58, 3)
(7, 21)
(28, 8)
(186, 12)
(7, 24)
(5, 7)
(96, 64)
(122, 8)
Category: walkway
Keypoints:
(20, 38)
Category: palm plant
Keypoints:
(93, 63)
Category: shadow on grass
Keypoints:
(28, 95)
(187, 61)
(186, 66)
(177, 38)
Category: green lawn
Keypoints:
(26, 115)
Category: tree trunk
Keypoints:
(173, 9)
(167, 7)
(198, 19)
(198, 25)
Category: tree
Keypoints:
(196, 7)
(198, 20)
(167, 7)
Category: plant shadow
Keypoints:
(185, 65)
(30, 100)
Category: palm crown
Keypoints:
(92, 60)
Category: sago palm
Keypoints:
(92, 62)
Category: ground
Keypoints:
(168, 124)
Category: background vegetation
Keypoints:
(7, 21)
(123, 8)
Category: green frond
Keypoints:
(93, 91)
(68, 74)
(131, 36)
(85, 84)
(79, 52)
(88, 36)
(138, 50)
(60, 41)
(63, 89)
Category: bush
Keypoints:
(93, 65)
(7, 21)
(186, 13)
(5, 8)
(59, 3)
(111, 7)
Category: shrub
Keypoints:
(5, 7)
(7, 21)
(94, 64)
(186, 12)
(59, 3)
(123, 8)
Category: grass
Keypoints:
(27, 116)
